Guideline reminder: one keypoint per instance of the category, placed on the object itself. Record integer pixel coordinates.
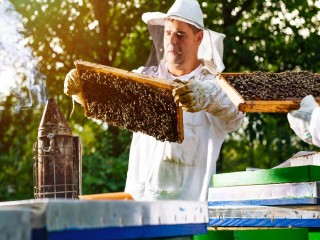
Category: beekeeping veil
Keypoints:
(189, 11)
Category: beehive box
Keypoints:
(132, 101)
(269, 92)
(306, 173)
(67, 219)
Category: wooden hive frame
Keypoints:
(129, 100)
(262, 106)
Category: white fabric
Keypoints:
(300, 119)
(315, 127)
(164, 170)
(72, 85)
(189, 11)
(300, 127)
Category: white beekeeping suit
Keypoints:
(166, 170)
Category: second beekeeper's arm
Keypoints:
(72, 86)
(305, 121)
(197, 95)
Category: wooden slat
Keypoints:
(301, 159)
(145, 79)
(142, 103)
(267, 212)
(107, 196)
(269, 106)
(232, 93)
(215, 235)
(268, 202)
(254, 233)
(265, 222)
(262, 106)
(267, 176)
(264, 216)
(276, 233)
(265, 191)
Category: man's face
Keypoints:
(180, 42)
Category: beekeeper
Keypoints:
(187, 52)
(305, 121)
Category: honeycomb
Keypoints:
(287, 85)
(117, 98)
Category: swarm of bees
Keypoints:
(287, 85)
(131, 105)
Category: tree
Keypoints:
(272, 36)
(60, 32)
(260, 36)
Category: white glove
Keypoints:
(72, 86)
(195, 95)
(72, 83)
(299, 120)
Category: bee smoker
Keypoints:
(57, 158)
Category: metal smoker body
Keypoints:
(57, 157)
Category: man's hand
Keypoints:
(195, 95)
(72, 83)
(299, 120)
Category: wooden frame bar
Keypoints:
(263, 106)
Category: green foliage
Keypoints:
(260, 35)
(264, 141)
(16, 165)
(269, 36)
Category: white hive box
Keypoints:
(81, 219)
(15, 224)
